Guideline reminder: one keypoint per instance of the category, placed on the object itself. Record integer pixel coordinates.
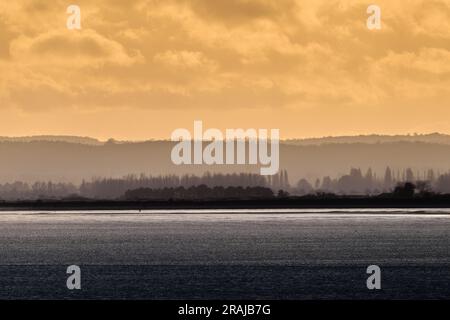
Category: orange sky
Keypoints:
(139, 69)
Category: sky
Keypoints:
(139, 69)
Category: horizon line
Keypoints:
(111, 139)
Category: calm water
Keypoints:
(226, 254)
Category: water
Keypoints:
(226, 254)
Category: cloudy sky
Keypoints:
(139, 69)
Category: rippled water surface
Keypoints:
(236, 254)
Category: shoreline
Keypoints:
(436, 202)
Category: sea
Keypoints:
(276, 254)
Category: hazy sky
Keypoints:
(141, 68)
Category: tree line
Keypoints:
(358, 183)
(201, 192)
(172, 186)
(114, 188)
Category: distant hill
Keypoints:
(68, 139)
(427, 138)
(40, 160)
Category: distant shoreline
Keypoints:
(438, 202)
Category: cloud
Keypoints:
(427, 61)
(287, 56)
(184, 60)
(71, 48)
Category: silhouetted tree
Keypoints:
(388, 182)
(405, 190)
(304, 187)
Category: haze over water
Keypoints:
(236, 254)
